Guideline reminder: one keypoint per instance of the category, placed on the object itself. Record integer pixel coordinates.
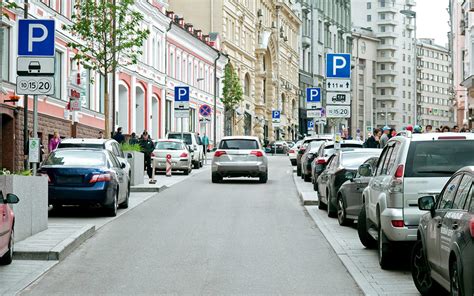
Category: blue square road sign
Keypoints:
(338, 65)
(181, 93)
(36, 37)
(313, 95)
(276, 114)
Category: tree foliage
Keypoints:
(8, 5)
(232, 90)
(99, 46)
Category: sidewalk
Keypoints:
(67, 229)
(361, 263)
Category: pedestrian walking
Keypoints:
(133, 139)
(119, 137)
(147, 148)
(385, 136)
(205, 143)
(54, 142)
(374, 140)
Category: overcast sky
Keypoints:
(432, 20)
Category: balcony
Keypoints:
(410, 27)
(384, 98)
(387, 21)
(388, 47)
(387, 60)
(306, 40)
(410, 3)
(386, 85)
(387, 72)
(387, 34)
(388, 8)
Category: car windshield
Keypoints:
(439, 158)
(187, 138)
(352, 160)
(80, 145)
(82, 158)
(238, 144)
(165, 145)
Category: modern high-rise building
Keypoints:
(326, 28)
(393, 23)
(435, 101)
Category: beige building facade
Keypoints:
(261, 39)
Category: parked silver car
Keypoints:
(239, 157)
(181, 157)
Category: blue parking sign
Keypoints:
(181, 94)
(313, 95)
(310, 125)
(36, 37)
(276, 114)
(338, 65)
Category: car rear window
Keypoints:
(168, 146)
(80, 145)
(239, 144)
(329, 149)
(354, 160)
(187, 138)
(440, 158)
(76, 158)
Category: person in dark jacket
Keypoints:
(374, 140)
(134, 139)
(119, 137)
(147, 148)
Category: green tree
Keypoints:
(108, 35)
(232, 95)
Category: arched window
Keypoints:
(283, 104)
(247, 84)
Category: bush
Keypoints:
(134, 147)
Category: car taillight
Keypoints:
(471, 223)
(184, 155)
(257, 153)
(398, 223)
(292, 151)
(320, 161)
(219, 153)
(100, 178)
(399, 171)
(47, 176)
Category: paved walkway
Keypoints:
(362, 263)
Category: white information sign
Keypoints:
(338, 111)
(313, 113)
(35, 85)
(34, 150)
(337, 98)
(35, 66)
(338, 85)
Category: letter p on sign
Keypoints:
(338, 65)
(36, 37)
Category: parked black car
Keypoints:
(307, 158)
(341, 167)
(305, 144)
(444, 253)
(349, 197)
(86, 177)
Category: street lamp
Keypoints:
(412, 14)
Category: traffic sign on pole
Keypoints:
(276, 118)
(338, 98)
(313, 97)
(181, 101)
(310, 125)
(205, 110)
(35, 66)
(338, 65)
(36, 37)
(35, 85)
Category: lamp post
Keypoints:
(412, 14)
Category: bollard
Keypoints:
(153, 181)
(168, 165)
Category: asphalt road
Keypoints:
(239, 237)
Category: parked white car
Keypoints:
(181, 157)
(293, 152)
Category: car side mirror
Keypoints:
(427, 203)
(123, 165)
(129, 155)
(12, 198)
(365, 170)
(349, 176)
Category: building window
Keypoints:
(58, 75)
(369, 18)
(5, 62)
(171, 69)
(192, 120)
(369, 5)
(167, 116)
(247, 84)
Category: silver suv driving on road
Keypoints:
(410, 166)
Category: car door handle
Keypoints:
(455, 226)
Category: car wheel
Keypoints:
(111, 210)
(8, 256)
(195, 164)
(315, 185)
(186, 172)
(307, 178)
(298, 170)
(384, 250)
(420, 271)
(216, 178)
(365, 238)
(341, 212)
(455, 279)
(332, 211)
(124, 205)
(263, 178)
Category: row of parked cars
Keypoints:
(417, 192)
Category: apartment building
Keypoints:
(393, 23)
(435, 101)
(466, 24)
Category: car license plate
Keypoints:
(69, 179)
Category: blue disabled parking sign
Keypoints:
(36, 37)
(338, 65)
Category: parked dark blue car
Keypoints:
(86, 177)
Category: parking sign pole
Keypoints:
(25, 110)
(35, 127)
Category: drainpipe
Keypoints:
(166, 69)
